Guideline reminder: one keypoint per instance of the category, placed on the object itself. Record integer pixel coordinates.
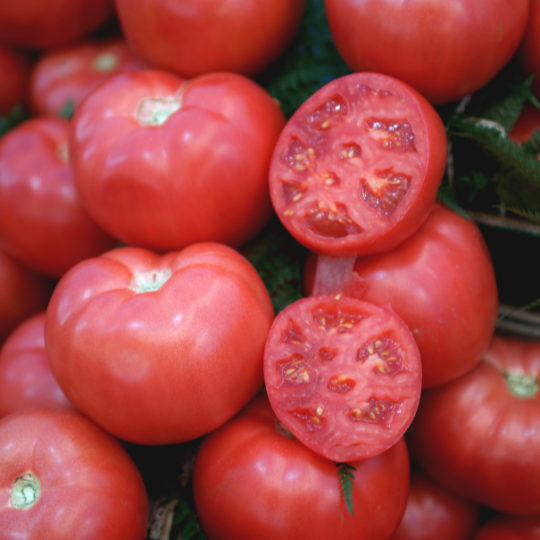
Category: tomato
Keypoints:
(344, 376)
(434, 513)
(159, 350)
(504, 527)
(42, 222)
(193, 38)
(62, 477)
(26, 380)
(357, 168)
(526, 124)
(163, 163)
(34, 24)
(445, 49)
(252, 480)
(441, 282)
(529, 49)
(62, 78)
(479, 435)
(14, 77)
(22, 293)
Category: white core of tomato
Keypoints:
(154, 111)
(25, 491)
(149, 281)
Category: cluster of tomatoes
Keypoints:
(129, 315)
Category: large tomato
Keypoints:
(479, 435)
(62, 78)
(14, 77)
(42, 221)
(35, 24)
(253, 480)
(441, 282)
(529, 49)
(357, 167)
(159, 350)
(62, 477)
(163, 163)
(192, 38)
(445, 49)
(26, 380)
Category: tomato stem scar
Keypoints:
(25, 491)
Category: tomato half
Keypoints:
(529, 49)
(357, 167)
(163, 163)
(479, 435)
(14, 79)
(62, 477)
(344, 376)
(445, 49)
(252, 480)
(159, 350)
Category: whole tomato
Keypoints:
(14, 79)
(163, 163)
(34, 24)
(529, 49)
(62, 477)
(42, 221)
(159, 350)
(193, 38)
(26, 380)
(505, 527)
(253, 480)
(526, 125)
(479, 435)
(62, 78)
(445, 49)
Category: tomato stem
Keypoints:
(26, 491)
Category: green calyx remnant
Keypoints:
(25, 491)
(150, 281)
(346, 478)
(105, 62)
(154, 111)
(522, 384)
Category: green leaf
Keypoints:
(346, 478)
(16, 116)
(447, 196)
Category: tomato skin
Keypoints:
(341, 182)
(14, 78)
(33, 24)
(166, 365)
(505, 527)
(443, 49)
(526, 124)
(434, 513)
(529, 49)
(241, 36)
(67, 75)
(42, 222)
(90, 487)
(200, 176)
(252, 481)
(26, 380)
(479, 439)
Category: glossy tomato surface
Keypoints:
(34, 24)
(163, 163)
(441, 282)
(26, 380)
(62, 477)
(357, 168)
(62, 78)
(529, 49)
(252, 480)
(445, 49)
(505, 527)
(344, 376)
(193, 38)
(42, 221)
(159, 350)
(479, 435)
(433, 513)
(14, 78)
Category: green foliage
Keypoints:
(184, 523)
(17, 115)
(68, 110)
(346, 478)
(190, 528)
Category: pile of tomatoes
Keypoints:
(379, 406)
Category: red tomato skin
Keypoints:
(200, 176)
(252, 481)
(443, 49)
(434, 513)
(163, 366)
(529, 48)
(192, 39)
(425, 166)
(441, 282)
(33, 24)
(90, 487)
(69, 74)
(505, 527)
(26, 380)
(478, 439)
(526, 124)
(14, 78)
(42, 222)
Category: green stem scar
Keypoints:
(149, 281)
(25, 491)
